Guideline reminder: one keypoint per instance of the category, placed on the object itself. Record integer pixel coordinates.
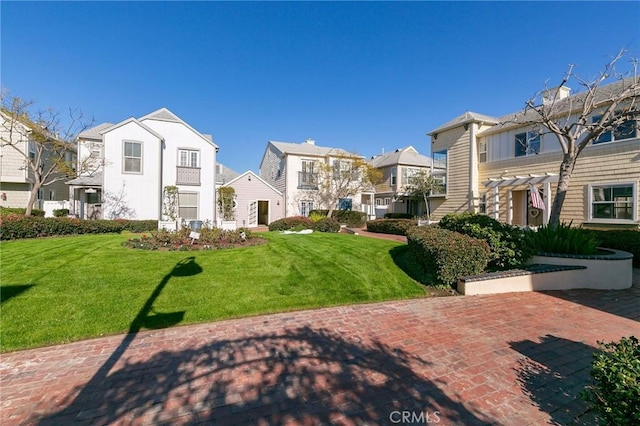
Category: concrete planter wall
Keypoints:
(611, 271)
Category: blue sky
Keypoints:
(362, 76)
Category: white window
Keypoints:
(52, 195)
(482, 151)
(615, 202)
(439, 172)
(387, 201)
(188, 205)
(626, 130)
(394, 176)
(305, 207)
(32, 150)
(378, 201)
(527, 144)
(189, 158)
(96, 150)
(482, 204)
(132, 158)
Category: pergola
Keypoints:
(545, 179)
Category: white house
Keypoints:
(295, 169)
(143, 156)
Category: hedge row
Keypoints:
(447, 254)
(391, 226)
(15, 227)
(398, 216)
(628, 240)
(4, 211)
(350, 218)
(298, 223)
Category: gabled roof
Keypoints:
(163, 114)
(306, 148)
(93, 180)
(466, 118)
(408, 156)
(94, 132)
(249, 172)
(133, 120)
(226, 175)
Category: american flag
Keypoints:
(536, 198)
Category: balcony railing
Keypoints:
(307, 180)
(188, 176)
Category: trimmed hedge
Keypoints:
(398, 216)
(447, 254)
(289, 223)
(626, 240)
(510, 246)
(350, 218)
(391, 226)
(15, 227)
(61, 212)
(20, 211)
(328, 224)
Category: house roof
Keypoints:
(249, 172)
(94, 132)
(133, 120)
(408, 156)
(467, 117)
(163, 114)
(226, 175)
(93, 180)
(306, 148)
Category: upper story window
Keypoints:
(95, 150)
(439, 171)
(132, 158)
(527, 144)
(408, 175)
(188, 158)
(394, 176)
(482, 151)
(308, 178)
(626, 130)
(612, 202)
(32, 150)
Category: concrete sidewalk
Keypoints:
(513, 359)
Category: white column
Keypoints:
(496, 203)
(547, 203)
(510, 207)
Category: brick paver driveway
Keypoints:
(505, 359)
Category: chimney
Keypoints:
(549, 94)
(310, 141)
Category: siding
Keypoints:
(255, 190)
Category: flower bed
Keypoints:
(208, 239)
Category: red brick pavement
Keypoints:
(512, 359)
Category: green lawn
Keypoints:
(57, 290)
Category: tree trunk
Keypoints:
(426, 206)
(566, 169)
(330, 211)
(33, 196)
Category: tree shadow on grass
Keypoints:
(301, 375)
(553, 374)
(10, 291)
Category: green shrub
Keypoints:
(615, 393)
(315, 216)
(391, 226)
(21, 211)
(351, 218)
(138, 226)
(510, 246)
(564, 239)
(327, 224)
(61, 212)
(626, 240)
(289, 223)
(398, 216)
(447, 254)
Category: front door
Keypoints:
(263, 212)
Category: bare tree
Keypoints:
(421, 186)
(606, 103)
(344, 177)
(47, 148)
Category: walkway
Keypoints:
(509, 359)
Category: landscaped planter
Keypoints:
(228, 225)
(611, 270)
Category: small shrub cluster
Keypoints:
(4, 211)
(626, 240)
(398, 216)
(564, 239)
(61, 212)
(510, 246)
(447, 254)
(18, 227)
(291, 223)
(615, 393)
(209, 239)
(351, 218)
(391, 226)
(327, 224)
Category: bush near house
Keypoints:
(15, 227)
(209, 238)
(350, 218)
(564, 239)
(447, 254)
(627, 240)
(20, 211)
(510, 246)
(61, 212)
(327, 224)
(615, 393)
(398, 216)
(391, 226)
(289, 223)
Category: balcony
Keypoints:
(188, 176)
(307, 180)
